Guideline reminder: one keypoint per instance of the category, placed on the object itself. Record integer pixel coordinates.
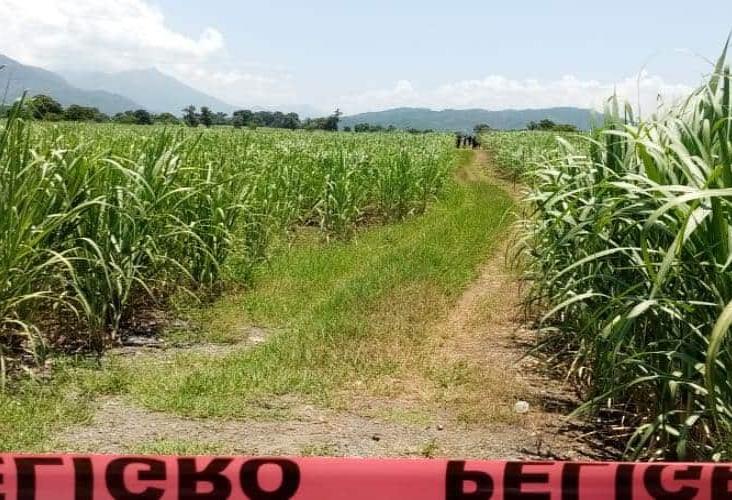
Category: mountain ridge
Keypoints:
(158, 92)
(463, 120)
(17, 78)
(154, 90)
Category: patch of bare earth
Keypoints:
(463, 403)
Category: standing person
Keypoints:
(458, 140)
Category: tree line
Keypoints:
(46, 108)
(549, 125)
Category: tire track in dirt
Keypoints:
(486, 328)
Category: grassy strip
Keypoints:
(352, 314)
(349, 316)
(31, 413)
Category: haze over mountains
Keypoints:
(157, 92)
(151, 89)
(17, 78)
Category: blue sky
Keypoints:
(374, 54)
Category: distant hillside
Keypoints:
(465, 119)
(154, 90)
(18, 78)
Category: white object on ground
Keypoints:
(521, 407)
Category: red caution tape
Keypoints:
(78, 477)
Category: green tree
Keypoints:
(76, 113)
(42, 105)
(190, 117)
(125, 117)
(481, 128)
(142, 117)
(166, 118)
(367, 127)
(547, 124)
(206, 117)
(291, 121)
(242, 118)
(220, 118)
(315, 124)
(331, 123)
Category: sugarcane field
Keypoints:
(514, 253)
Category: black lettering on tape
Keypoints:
(26, 474)
(653, 481)
(624, 482)
(571, 477)
(189, 478)
(249, 479)
(456, 478)
(115, 478)
(83, 479)
(515, 477)
(721, 476)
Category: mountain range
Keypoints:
(157, 92)
(112, 93)
(151, 89)
(463, 120)
(16, 78)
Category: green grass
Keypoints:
(29, 417)
(349, 313)
(351, 317)
(32, 411)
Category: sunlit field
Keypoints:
(519, 152)
(623, 240)
(97, 218)
(628, 249)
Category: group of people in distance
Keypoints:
(466, 141)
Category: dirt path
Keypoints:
(482, 340)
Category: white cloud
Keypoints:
(114, 35)
(109, 35)
(499, 92)
(237, 86)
